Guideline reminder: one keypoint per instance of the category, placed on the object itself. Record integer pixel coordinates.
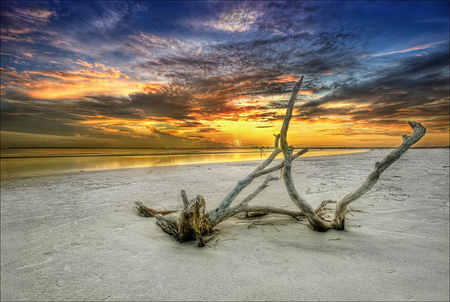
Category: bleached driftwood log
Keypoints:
(194, 222)
(340, 212)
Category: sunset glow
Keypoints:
(219, 74)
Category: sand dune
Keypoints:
(77, 237)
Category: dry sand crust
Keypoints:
(77, 237)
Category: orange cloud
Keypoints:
(84, 63)
(286, 79)
(82, 86)
(102, 74)
(306, 92)
(153, 86)
(113, 74)
(52, 84)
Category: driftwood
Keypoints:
(340, 212)
(195, 223)
(147, 212)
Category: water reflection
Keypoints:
(50, 165)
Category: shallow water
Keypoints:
(36, 161)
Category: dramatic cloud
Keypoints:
(206, 73)
(417, 89)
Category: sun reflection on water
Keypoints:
(51, 165)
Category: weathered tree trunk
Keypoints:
(194, 222)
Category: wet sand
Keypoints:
(76, 236)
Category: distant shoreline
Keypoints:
(38, 164)
(179, 152)
(109, 155)
(170, 151)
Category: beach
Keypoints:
(77, 237)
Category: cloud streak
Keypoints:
(419, 47)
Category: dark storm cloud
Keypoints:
(23, 117)
(418, 74)
(253, 67)
(259, 61)
(103, 105)
(417, 88)
(169, 103)
(281, 104)
(163, 104)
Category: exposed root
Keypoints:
(192, 223)
(322, 209)
(147, 212)
(169, 226)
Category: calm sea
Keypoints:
(37, 161)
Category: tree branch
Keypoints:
(249, 197)
(234, 210)
(287, 117)
(246, 181)
(184, 197)
(316, 222)
(372, 178)
(260, 209)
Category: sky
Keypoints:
(218, 74)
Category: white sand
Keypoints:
(77, 237)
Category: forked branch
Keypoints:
(222, 210)
(341, 205)
(372, 178)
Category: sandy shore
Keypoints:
(77, 237)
